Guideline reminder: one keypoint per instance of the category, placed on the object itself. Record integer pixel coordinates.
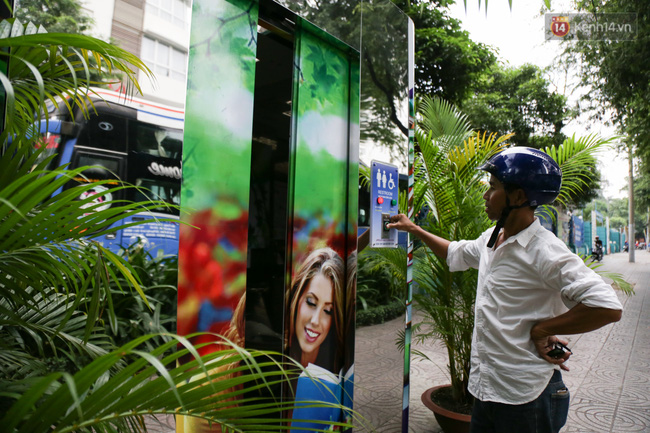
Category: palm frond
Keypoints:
(618, 281)
(446, 125)
(394, 261)
(46, 67)
(154, 383)
(575, 157)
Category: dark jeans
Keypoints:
(546, 414)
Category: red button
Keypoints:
(380, 200)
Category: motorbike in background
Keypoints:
(597, 253)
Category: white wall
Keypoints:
(164, 89)
(101, 12)
(166, 32)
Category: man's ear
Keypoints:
(518, 197)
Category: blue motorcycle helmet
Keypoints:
(529, 169)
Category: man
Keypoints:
(527, 280)
(598, 249)
(598, 242)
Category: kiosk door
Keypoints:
(319, 312)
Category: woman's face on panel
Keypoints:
(314, 315)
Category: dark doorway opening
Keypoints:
(267, 231)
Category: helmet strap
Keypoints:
(497, 228)
(502, 220)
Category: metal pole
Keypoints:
(630, 194)
(647, 230)
(409, 261)
(608, 248)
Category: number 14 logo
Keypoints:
(560, 26)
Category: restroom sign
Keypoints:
(384, 196)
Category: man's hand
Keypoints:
(545, 344)
(403, 223)
(438, 245)
(577, 320)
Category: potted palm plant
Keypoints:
(450, 186)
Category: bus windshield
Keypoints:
(123, 141)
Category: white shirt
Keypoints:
(530, 277)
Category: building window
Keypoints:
(176, 12)
(163, 59)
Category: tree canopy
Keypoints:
(520, 101)
(57, 16)
(618, 212)
(447, 64)
(617, 74)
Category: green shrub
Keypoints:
(380, 314)
(158, 277)
(379, 284)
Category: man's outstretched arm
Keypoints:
(438, 245)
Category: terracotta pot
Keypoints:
(450, 422)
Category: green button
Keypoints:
(393, 202)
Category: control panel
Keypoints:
(384, 195)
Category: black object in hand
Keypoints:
(558, 350)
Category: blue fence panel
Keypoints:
(577, 236)
(586, 231)
(615, 241)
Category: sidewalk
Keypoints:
(609, 379)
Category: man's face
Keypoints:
(495, 199)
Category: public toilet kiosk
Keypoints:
(279, 99)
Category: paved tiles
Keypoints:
(609, 378)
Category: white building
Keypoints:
(157, 31)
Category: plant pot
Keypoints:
(450, 422)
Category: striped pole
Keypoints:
(409, 261)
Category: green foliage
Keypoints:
(519, 101)
(380, 277)
(155, 313)
(617, 223)
(616, 74)
(97, 399)
(642, 191)
(58, 286)
(384, 75)
(448, 63)
(617, 210)
(380, 314)
(618, 282)
(577, 159)
(58, 16)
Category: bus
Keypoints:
(125, 139)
